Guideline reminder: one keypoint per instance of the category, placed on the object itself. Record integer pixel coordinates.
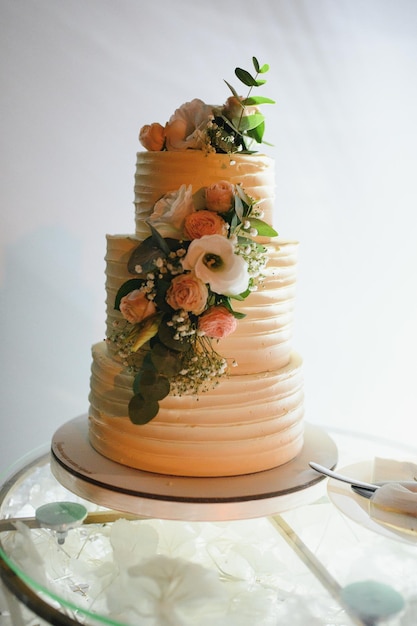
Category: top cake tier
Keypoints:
(158, 173)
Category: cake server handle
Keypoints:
(345, 479)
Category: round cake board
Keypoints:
(88, 474)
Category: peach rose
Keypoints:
(202, 223)
(136, 307)
(187, 292)
(220, 196)
(217, 322)
(185, 129)
(152, 137)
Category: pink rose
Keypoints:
(202, 223)
(217, 322)
(136, 307)
(187, 292)
(220, 196)
(152, 137)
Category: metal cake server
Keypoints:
(345, 479)
(361, 487)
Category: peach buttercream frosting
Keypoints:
(197, 375)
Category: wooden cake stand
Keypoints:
(85, 472)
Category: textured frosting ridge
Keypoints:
(246, 424)
(158, 173)
(253, 419)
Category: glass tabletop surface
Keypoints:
(67, 560)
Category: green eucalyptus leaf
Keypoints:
(247, 122)
(255, 64)
(165, 361)
(239, 208)
(241, 296)
(244, 241)
(136, 382)
(260, 248)
(264, 68)
(257, 133)
(147, 362)
(234, 222)
(159, 240)
(125, 289)
(245, 77)
(226, 302)
(232, 89)
(254, 100)
(153, 386)
(264, 229)
(247, 200)
(142, 411)
(260, 82)
(145, 256)
(160, 296)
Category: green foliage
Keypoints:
(144, 256)
(264, 229)
(142, 410)
(125, 289)
(250, 125)
(226, 302)
(151, 384)
(165, 360)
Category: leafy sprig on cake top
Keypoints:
(230, 128)
(201, 256)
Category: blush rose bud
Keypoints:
(187, 292)
(220, 196)
(136, 307)
(202, 223)
(152, 137)
(217, 322)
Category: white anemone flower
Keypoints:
(171, 210)
(165, 591)
(213, 260)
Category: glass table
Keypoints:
(320, 561)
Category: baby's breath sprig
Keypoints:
(202, 367)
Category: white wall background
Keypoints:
(79, 78)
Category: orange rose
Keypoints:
(187, 292)
(220, 196)
(136, 307)
(217, 322)
(152, 137)
(202, 223)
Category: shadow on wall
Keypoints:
(45, 337)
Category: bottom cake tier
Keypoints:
(247, 424)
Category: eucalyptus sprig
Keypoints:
(252, 125)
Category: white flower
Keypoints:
(185, 127)
(213, 260)
(167, 592)
(171, 210)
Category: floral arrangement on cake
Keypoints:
(225, 129)
(201, 255)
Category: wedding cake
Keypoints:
(197, 376)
